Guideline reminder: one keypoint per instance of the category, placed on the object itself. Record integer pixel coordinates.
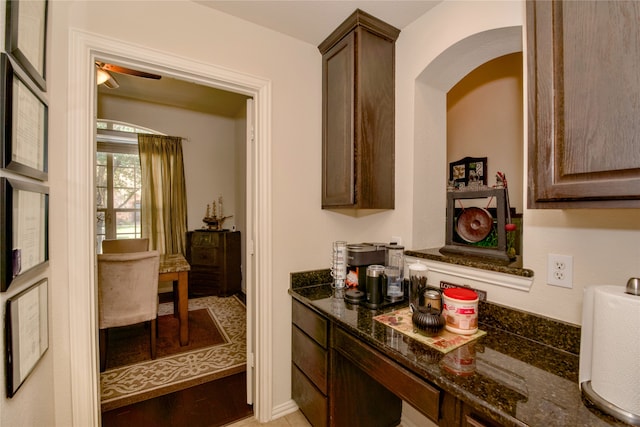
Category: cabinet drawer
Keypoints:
(312, 403)
(206, 256)
(307, 355)
(311, 323)
(404, 384)
(209, 239)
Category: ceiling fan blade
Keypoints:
(130, 71)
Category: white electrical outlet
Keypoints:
(560, 270)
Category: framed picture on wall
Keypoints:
(27, 36)
(27, 333)
(24, 229)
(23, 123)
(468, 171)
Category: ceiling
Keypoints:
(313, 20)
(310, 21)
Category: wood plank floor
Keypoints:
(212, 404)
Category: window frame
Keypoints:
(114, 137)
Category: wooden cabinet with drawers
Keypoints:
(215, 261)
(310, 363)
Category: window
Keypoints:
(118, 182)
(118, 193)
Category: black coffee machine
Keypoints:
(359, 257)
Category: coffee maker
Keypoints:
(359, 257)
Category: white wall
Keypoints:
(432, 55)
(209, 153)
(32, 405)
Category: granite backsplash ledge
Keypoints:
(554, 333)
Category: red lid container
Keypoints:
(462, 294)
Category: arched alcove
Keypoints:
(430, 124)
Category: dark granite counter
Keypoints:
(512, 267)
(524, 370)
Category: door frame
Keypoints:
(84, 49)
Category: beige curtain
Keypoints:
(164, 198)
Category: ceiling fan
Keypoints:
(103, 75)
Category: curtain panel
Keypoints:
(164, 197)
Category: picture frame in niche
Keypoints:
(468, 171)
(27, 333)
(24, 223)
(26, 37)
(24, 116)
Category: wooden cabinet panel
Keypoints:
(395, 378)
(357, 400)
(310, 358)
(358, 114)
(215, 262)
(338, 168)
(584, 104)
(310, 363)
(313, 404)
(312, 324)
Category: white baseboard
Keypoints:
(284, 409)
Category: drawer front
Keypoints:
(311, 323)
(312, 359)
(206, 256)
(207, 239)
(205, 274)
(312, 403)
(404, 384)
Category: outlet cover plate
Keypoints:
(560, 270)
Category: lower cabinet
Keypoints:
(310, 364)
(339, 380)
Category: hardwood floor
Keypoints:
(212, 404)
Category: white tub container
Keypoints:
(460, 309)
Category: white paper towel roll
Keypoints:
(610, 345)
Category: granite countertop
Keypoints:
(516, 380)
(511, 267)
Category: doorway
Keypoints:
(85, 50)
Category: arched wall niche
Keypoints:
(430, 124)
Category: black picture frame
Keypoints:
(468, 170)
(26, 37)
(24, 223)
(24, 117)
(27, 333)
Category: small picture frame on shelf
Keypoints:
(26, 37)
(27, 333)
(468, 172)
(23, 123)
(24, 225)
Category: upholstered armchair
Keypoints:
(127, 294)
(110, 246)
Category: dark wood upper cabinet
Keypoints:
(358, 114)
(584, 104)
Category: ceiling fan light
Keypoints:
(101, 76)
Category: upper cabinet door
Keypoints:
(338, 167)
(358, 114)
(584, 104)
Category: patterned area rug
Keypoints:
(133, 383)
